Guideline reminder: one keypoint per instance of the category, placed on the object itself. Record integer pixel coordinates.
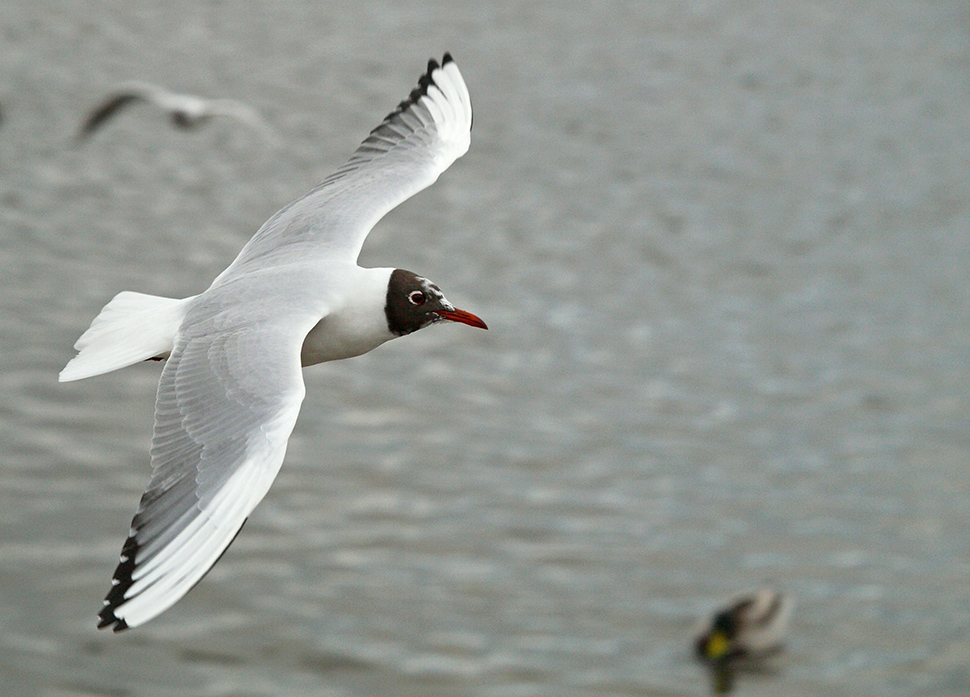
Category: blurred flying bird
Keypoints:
(186, 111)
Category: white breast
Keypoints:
(358, 324)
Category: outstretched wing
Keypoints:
(405, 154)
(227, 401)
(109, 108)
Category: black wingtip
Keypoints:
(107, 618)
(424, 82)
(120, 583)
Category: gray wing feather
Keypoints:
(227, 401)
(405, 154)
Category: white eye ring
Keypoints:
(416, 297)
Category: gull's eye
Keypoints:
(416, 297)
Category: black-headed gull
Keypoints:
(186, 111)
(229, 395)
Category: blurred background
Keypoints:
(722, 251)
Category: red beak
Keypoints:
(457, 315)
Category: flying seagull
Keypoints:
(231, 389)
(186, 111)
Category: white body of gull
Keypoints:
(229, 395)
(186, 111)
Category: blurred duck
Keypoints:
(185, 111)
(748, 628)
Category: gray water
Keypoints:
(722, 248)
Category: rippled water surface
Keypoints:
(722, 249)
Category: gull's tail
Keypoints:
(132, 327)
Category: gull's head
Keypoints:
(188, 111)
(414, 302)
(187, 119)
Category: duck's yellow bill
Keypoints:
(717, 646)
